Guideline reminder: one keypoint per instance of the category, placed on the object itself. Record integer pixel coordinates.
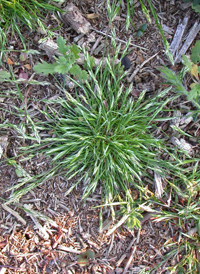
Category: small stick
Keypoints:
(123, 219)
(122, 41)
(130, 79)
(121, 260)
(129, 260)
(138, 236)
(14, 213)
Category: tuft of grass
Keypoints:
(183, 214)
(21, 11)
(102, 134)
(18, 13)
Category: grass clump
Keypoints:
(15, 14)
(102, 134)
(20, 11)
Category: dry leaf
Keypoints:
(118, 18)
(9, 61)
(27, 66)
(194, 71)
(92, 16)
(23, 75)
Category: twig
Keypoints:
(130, 79)
(68, 249)
(123, 219)
(122, 41)
(129, 260)
(14, 213)
(138, 236)
(120, 260)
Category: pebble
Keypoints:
(126, 62)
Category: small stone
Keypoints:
(126, 62)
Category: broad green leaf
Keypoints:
(62, 68)
(195, 52)
(196, 8)
(192, 85)
(90, 253)
(61, 45)
(79, 73)
(194, 92)
(62, 60)
(84, 75)
(45, 68)
(75, 50)
(4, 75)
(75, 70)
(187, 62)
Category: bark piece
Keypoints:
(191, 36)
(178, 36)
(74, 17)
(158, 185)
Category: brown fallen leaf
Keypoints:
(27, 66)
(92, 16)
(9, 61)
(118, 18)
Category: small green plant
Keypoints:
(84, 257)
(195, 53)
(65, 63)
(183, 214)
(195, 4)
(141, 30)
(192, 67)
(103, 135)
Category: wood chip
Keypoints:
(69, 249)
(175, 45)
(183, 145)
(158, 185)
(3, 144)
(74, 17)
(191, 36)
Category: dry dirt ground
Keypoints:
(30, 244)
